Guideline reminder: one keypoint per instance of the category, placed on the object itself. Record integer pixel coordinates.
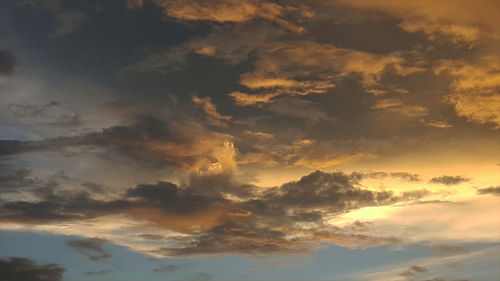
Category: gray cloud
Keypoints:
(94, 273)
(150, 141)
(449, 180)
(167, 268)
(7, 62)
(23, 269)
(92, 248)
(13, 178)
(493, 190)
(253, 221)
(413, 271)
(407, 177)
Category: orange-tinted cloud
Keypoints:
(462, 21)
(475, 90)
(310, 68)
(229, 11)
(210, 109)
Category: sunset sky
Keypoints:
(249, 140)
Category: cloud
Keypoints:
(68, 21)
(406, 176)
(14, 178)
(413, 271)
(167, 268)
(475, 88)
(299, 108)
(97, 273)
(243, 99)
(397, 106)
(449, 180)
(149, 140)
(231, 44)
(223, 11)
(305, 153)
(459, 21)
(92, 248)
(210, 109)
(306, 67)
(7, 62)
(260, 135)
(213, 213)
(493, 190)
(17, 269)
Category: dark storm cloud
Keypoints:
(7, 62)
(23, 269)
(449, 180)
(91, 247)
(493, 190)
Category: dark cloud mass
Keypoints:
(449, 180)
(7, 62)
(260, 128)
(254, 221)
(493, 190)
(23, 269)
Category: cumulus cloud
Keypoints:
(449, 180)
(214, 213)
(17, 269)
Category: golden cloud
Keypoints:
(304, 68)
(229, 11)
(460, 20)
(475, 89)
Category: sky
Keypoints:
(249, 140)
